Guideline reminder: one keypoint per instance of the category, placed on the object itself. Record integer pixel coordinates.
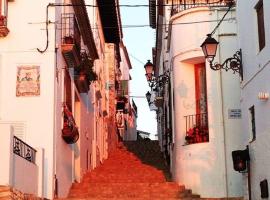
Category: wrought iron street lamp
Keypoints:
(209, 48)
(154, 81)
(149, 69)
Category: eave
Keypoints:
(110, 19)
(85, 27)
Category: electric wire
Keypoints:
(141, 5)
(147, 25)
(88, 5)
(222, 19)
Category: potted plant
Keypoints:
(68, 39)
(3, 20)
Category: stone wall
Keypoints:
(9, 193)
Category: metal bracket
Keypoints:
(234, 63)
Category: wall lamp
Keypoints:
(152, 80)
(209, 47)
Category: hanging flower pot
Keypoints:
(2, 20)
(70, 133)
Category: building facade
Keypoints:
(254, 40)
(197, 126)
(58, 69)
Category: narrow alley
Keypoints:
(134, 100)
(135, 170)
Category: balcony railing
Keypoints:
(24, 150)
(71, 39)
(181, 5)
(197, 128)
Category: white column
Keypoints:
(6, 155)
(40, 164)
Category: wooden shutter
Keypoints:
(200, 88)
(68, 94)
(260, 18)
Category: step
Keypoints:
(126, 175)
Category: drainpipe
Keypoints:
(172, 104)
(55, 184)
(222, 120)
(223, 130)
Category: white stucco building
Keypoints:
(254, 39)
(54, 72)
(196, 125)
(53, 90)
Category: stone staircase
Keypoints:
(133, 171)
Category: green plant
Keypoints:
(86, 68)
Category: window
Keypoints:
(252, 123)
(197, 124)
(260, 18)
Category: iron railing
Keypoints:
(197, 128)
(70, 30)
(23, 150)
(181, 5)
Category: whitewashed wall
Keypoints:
(13, 165)
(256, 65)
(41, 115)
(27, 32)
(206, 168)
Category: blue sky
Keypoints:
(139, 42)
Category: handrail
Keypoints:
(197, 128)
(23, 150)
(181, 5)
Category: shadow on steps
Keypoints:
(148, 151)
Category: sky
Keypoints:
(139, 42)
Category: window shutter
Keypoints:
(261, 30)
(19, 128)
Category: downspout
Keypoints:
(55, 184)
(222, 120)
(172, 106)
(223, 130)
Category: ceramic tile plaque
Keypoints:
(28, 81)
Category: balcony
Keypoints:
(84, 74)
(181, 5)
(197, 128)
(71, 39)
(3, 26)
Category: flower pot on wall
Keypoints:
(2, 20)
(70, 134)
(68, 40)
